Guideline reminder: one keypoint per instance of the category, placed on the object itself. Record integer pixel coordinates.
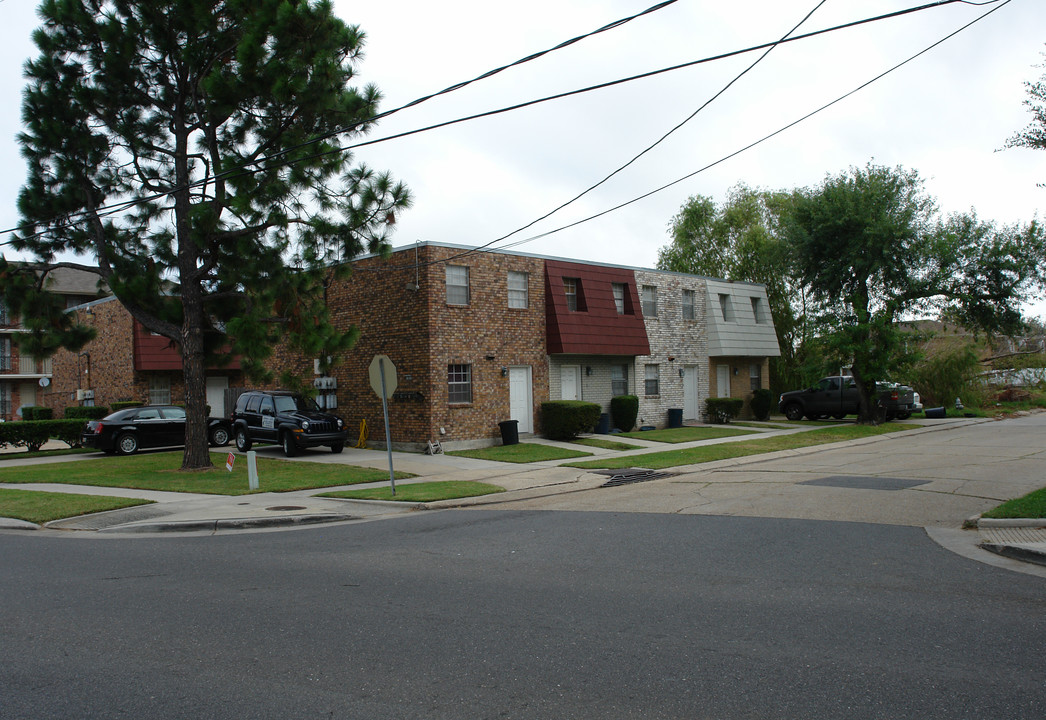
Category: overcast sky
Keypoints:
(946, 114)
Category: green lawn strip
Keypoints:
(160, 471)
(685, 434)
(1032, 505)
(23, 454)
(605, 444)
(764, 425)
(420, 492)
(40, 507)
(710, 453)
(520, 453)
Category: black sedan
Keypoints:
(125, 431)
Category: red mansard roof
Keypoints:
(595, 328)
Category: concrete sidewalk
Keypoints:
(189, 513)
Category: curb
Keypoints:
(254, 523)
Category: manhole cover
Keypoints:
(280, 508)
(861, 482)
(631, 475)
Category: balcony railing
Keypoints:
(32, 366)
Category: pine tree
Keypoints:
(193, 149)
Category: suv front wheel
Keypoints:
(243, 440)
(289, 448)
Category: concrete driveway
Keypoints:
(925, 478)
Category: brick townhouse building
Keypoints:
(24, 379)
(478, 337)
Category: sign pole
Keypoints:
(388, 435)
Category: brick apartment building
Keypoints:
(25, 379)
(478, 337)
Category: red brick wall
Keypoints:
(422, 335)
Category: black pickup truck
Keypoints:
(836, 396)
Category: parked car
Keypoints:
(125, 431)
(286, 419)
(836, 396)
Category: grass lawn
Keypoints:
(605, 444)
(40, 507)
(686, 434)
(710, 453)
(520, 453)
(22, 454)
(160, 471)
(420, 492)
(1032, 505)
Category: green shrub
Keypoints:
(123, 404)
(32, 434)
(92, 412)
(566, 419)
(624, 409)
(762, 401)
(36, 412)
(721, 410)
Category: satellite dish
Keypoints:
(44, 382)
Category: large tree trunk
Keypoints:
(197, 454)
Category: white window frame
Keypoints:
(619, 297)
(572, 291)
(618, 380)
(689, 301)
(755, 375)
(649, 301)
(757, 310)
(726, 307)
(518, 290)
(159, 390)
(652, 374)
(459, 384)
(458, 285)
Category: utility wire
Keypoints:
(485, 246)
(106, 211)
(766, 137)
(109, 210)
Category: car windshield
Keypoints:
(121, 415)
(291, 403)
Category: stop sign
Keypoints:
(379, 364)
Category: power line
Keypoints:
(776, 132)
(109, 210)
(484, 247)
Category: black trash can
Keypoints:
(935, 413)
(675, 417)
(509, 432)
(604, 424)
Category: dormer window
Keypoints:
(726, 308)
(572, 289)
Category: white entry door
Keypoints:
(722, 377)
(570, 382)
(690, 409)
(216, 387)
(520, 399)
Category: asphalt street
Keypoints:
(809, 586)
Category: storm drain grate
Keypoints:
(285, 508)
(631, 475)
(863, 482)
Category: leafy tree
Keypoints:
(192, 148)
(871, 249)
(1033, 136)
(741, 240)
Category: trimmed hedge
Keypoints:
(566, 419)
(91, 412)
(624, 409)
(721, 410)
(36, 412)
(762, 401)
(32, 434)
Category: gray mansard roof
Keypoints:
(739, 322)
